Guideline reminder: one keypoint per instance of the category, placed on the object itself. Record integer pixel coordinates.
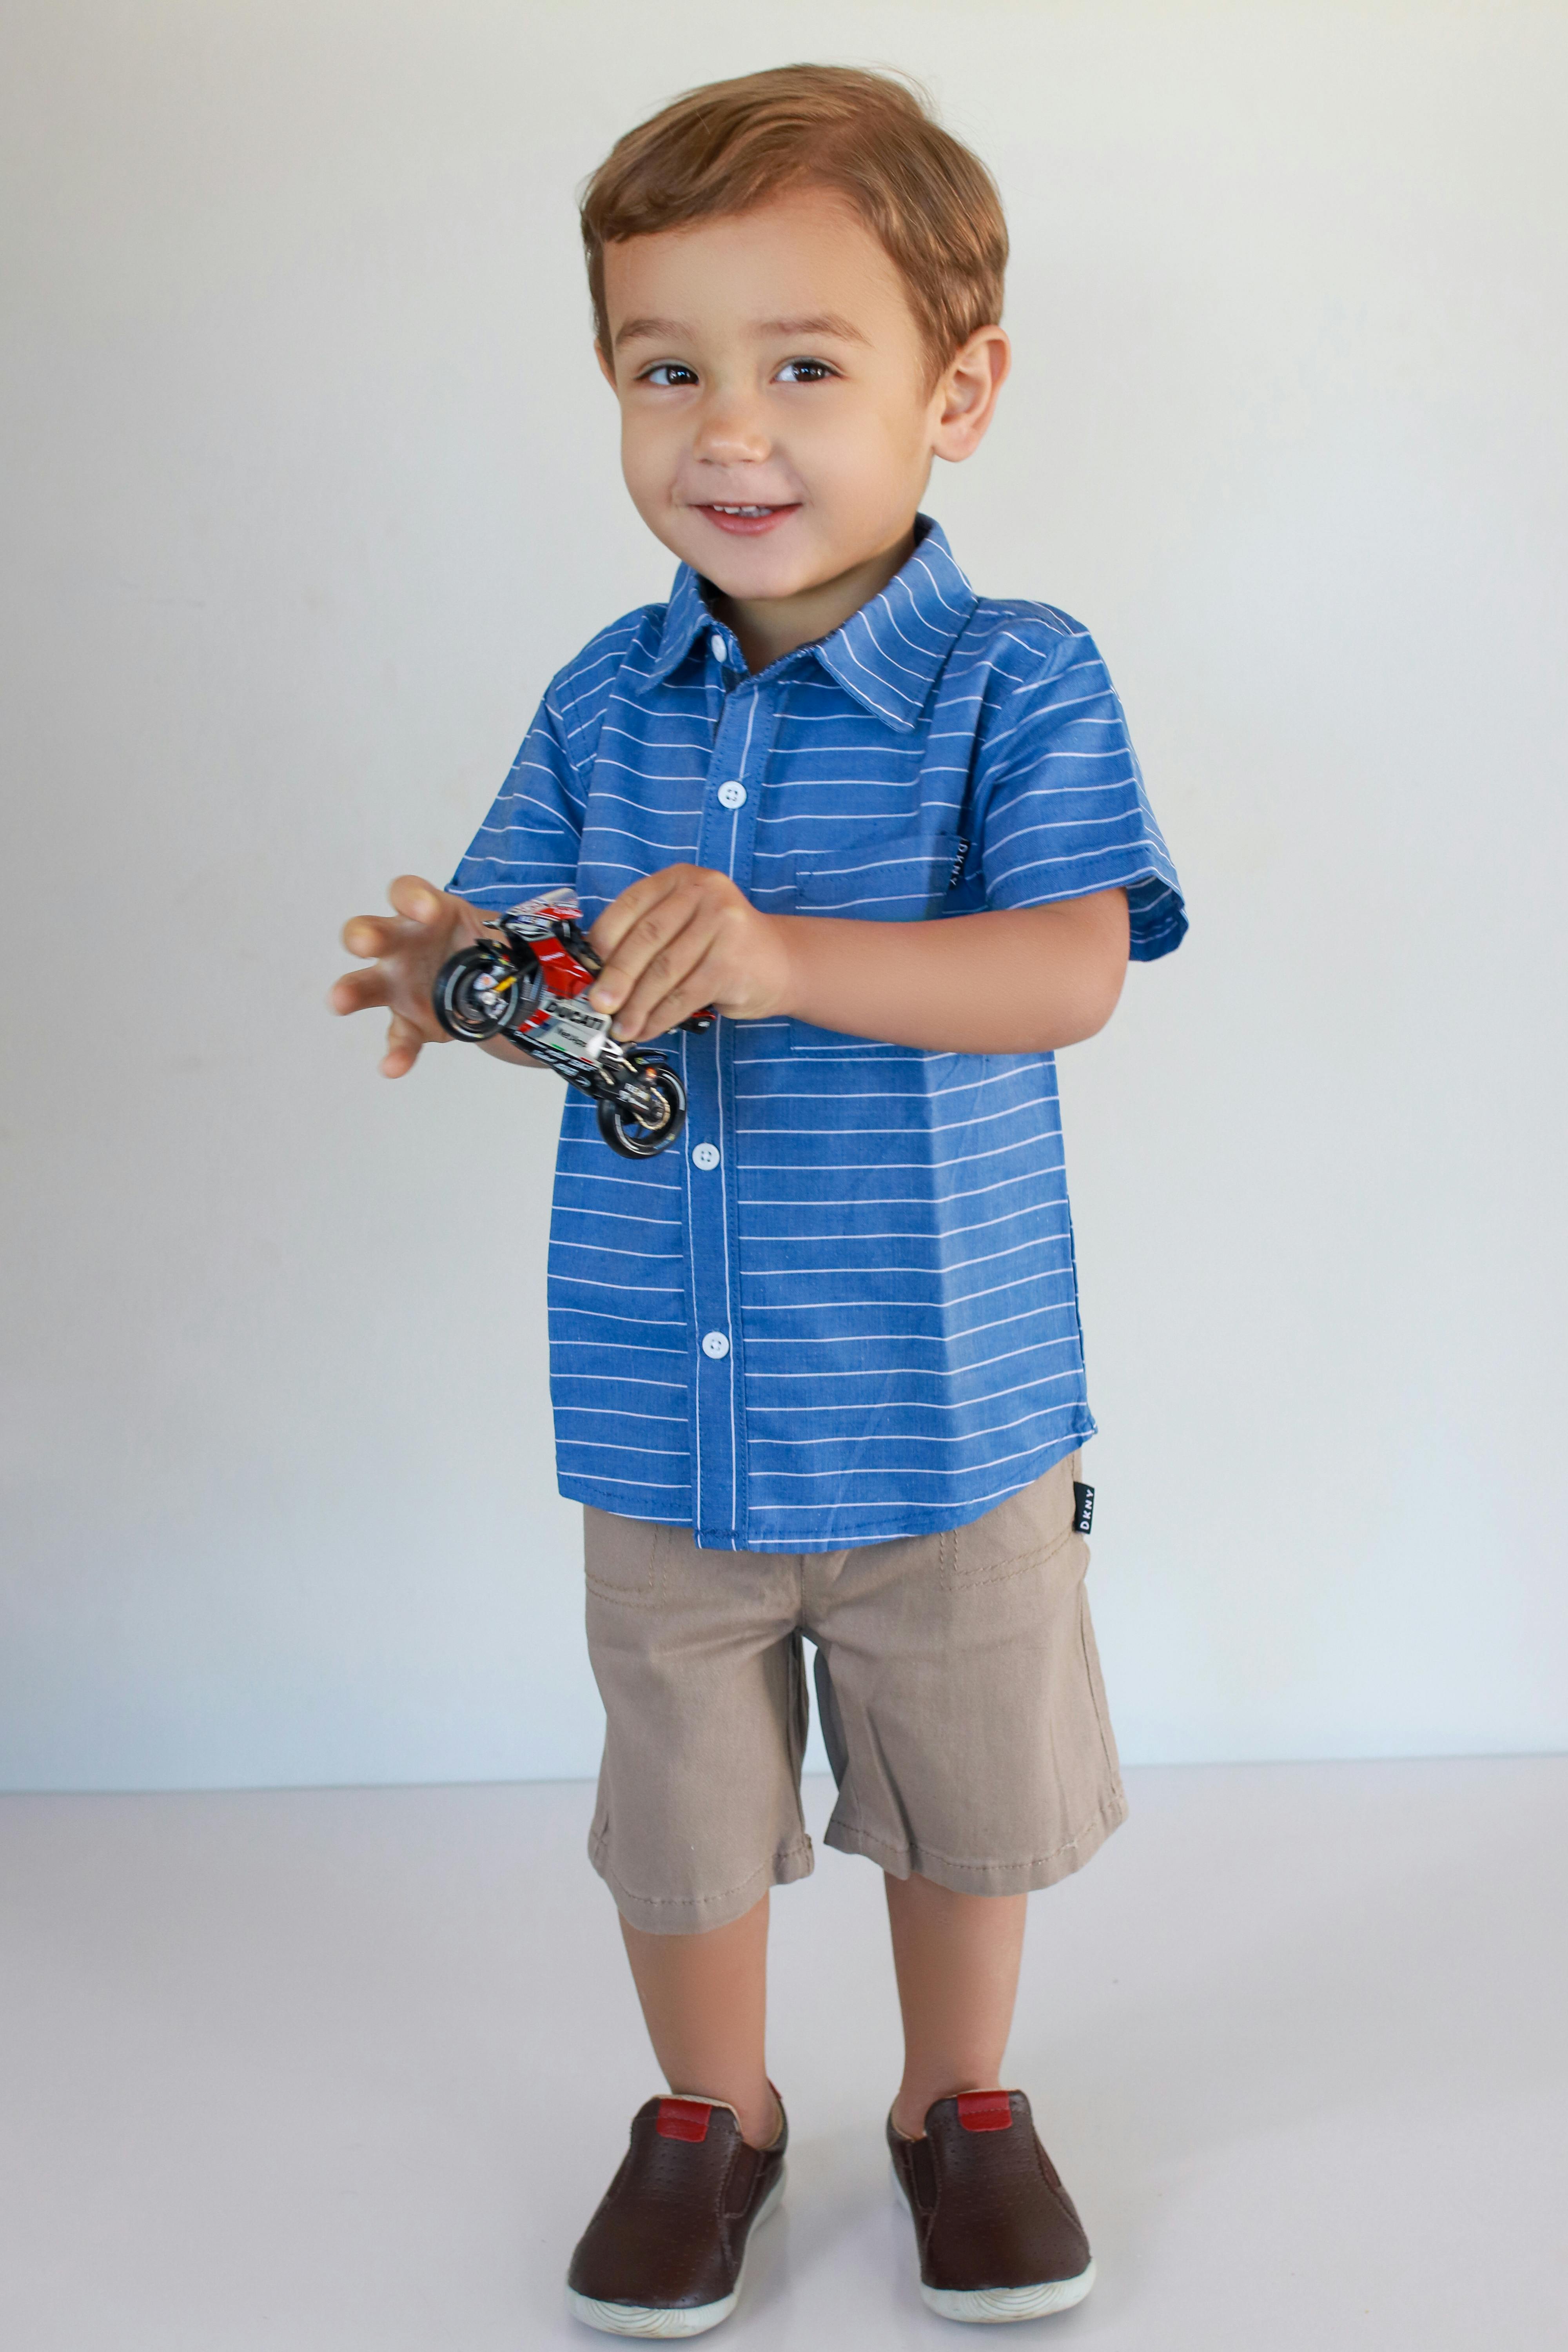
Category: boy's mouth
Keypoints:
(746, 521)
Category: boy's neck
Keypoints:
(771, 627)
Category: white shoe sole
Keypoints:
(648, 2320)
(997, 2306)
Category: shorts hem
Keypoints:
(966, 1877)
(691, 1914)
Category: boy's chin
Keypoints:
(760, 572)
(779, 563)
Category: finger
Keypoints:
(694, 993)
(664, 973)
(356, 992)
(651, 936)
(653, 960)
(417, 899)
(402, 1046)
(372, 935)
(636, 901)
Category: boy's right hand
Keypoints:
(409, 950)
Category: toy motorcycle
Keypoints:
(528, 980)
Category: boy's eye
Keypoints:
(667, 375)
(804, 372)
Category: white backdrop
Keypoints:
(312, 484)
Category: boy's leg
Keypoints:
(699, 1663)
(704, 2001)
(698, 1660)
(956, 1958)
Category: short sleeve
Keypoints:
(1058, 792)
(529, 841)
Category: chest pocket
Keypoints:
(881, 878)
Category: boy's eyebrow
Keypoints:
(673, 331)
(823, 322)
(658, 330)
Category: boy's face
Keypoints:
(777, 416)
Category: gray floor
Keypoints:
(325, 2071)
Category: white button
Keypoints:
(714, 1344)
(731, 795)
(705, 1155)
(718, 648)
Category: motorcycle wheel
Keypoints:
(455, 999)
(624, 1132)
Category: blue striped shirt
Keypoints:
(843, 1307)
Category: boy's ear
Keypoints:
(965, 401)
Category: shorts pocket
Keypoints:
(1027, 1531)
(620, 1556)
(1090, 1652)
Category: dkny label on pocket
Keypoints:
(957, 868)
(1083, 1508)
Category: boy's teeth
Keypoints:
(740, 510)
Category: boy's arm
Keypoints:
(529, 840)
(1016, 981)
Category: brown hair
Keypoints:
(734, 145)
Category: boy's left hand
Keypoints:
(683, 939)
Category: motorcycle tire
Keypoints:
(624, 1132)
(455, 1001)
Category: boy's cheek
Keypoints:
(649, 476)
(637, 464)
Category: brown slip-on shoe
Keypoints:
(665, 2252)
(998, 2237)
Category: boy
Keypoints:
(819, 1370)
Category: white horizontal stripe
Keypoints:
(875, 1165)
(996, 1495)
(626, 1347)
(1018, 1066)
(904, 1469)
(561, 1306)
(936, 1268)
(643, 1485)
(913, 1372)
(872, 1437)
(623, 1412)
(914, 1405)
(897, 1234)
(603, 1249)
(839, 1336)
(912, 1127)
(602, 1445)
(645, 1290)
(621, 1217)
(640, 1183)
(898, 1200)
(911, 1303)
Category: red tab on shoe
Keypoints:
(683, 2118)
(985, 2110)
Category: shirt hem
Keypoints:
(892, 1525)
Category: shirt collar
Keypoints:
(888, 654)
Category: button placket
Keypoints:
(725, 842)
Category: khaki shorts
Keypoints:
(957, 1680)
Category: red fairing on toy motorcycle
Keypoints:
(527, 979)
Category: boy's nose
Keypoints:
(730, 432)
